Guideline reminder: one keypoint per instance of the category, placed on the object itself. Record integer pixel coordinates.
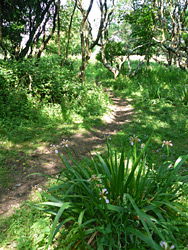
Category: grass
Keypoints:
(159, 99)
(118, 193)
(25, 229)
(160, 108)
(19, 141)
(56, 104)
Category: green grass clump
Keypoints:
(25, 229)
(119, 201)
(158, 95)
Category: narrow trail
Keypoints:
(47, 162)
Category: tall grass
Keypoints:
(120, 201)
(158, 95)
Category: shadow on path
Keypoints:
(44, 160)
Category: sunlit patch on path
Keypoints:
(46, 161)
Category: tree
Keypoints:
(24, 18)
(69, 30)
(172, 20)
(65, 40)
(86, 37)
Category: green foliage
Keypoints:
(26, 229)
(158, 97)
(34, 100)
(142, 23)
(112, 50)
(118, 201)
(33, 87)
(21, 21)
(74, 45)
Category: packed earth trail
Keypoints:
(44, 160)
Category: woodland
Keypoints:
(94, 124)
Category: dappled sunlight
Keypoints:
(93, 111)
(38, 150)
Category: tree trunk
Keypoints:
(24, 52)
(58, 30)
(84, 33)
(45, 41)
(69, 31)
(1, 35)
(112, 69)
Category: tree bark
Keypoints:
(58, 30)
(84, 39)
(69, 30)
(1, 35)
(46, 40)
(39, 20)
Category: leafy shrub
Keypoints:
(113, 49)
(26, 89)
(117, 202)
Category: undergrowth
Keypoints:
(38, 101)
(118, 201)
(159, 96)
(111, 201)
(47, 102)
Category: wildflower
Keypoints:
(56, 151)
(94, 178)
(134, 139)
(142, 145)
(64, 143)
(107, 201)
(167, 143)
(103, 195)
(164, 245)
(105, 191)
(107, 137)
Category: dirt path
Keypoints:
(44, 160)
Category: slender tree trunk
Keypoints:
(46, 40)
(112, 69)
(69, 31)
(1, 35)
(24, 52)
(84, 40)
(58, 31)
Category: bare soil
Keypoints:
(44, 160)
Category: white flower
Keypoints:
(56, 151)
(134, 139)
(163, 244)
(142, 145)
(105, 191)
(64, 143)
(107, 137)
(172, 247)
(167, 143)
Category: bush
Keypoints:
(117, 202)
(26, 88)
